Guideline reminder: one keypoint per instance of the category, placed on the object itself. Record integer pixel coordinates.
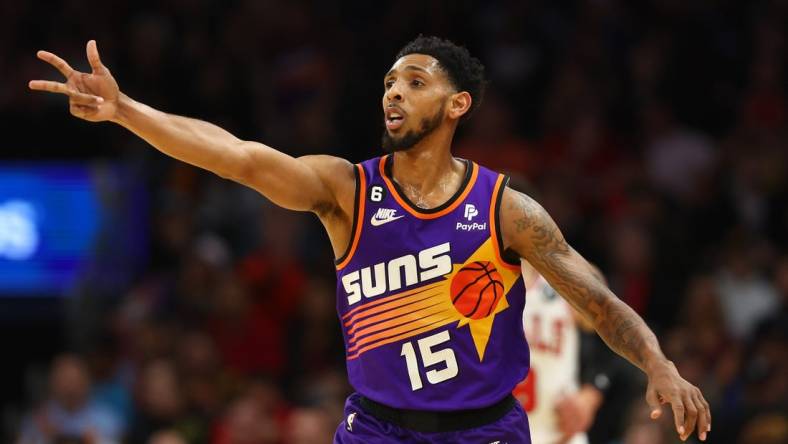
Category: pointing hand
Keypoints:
(91, 96)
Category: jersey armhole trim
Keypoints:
(358, 215)
(495, 209)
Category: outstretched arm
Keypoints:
(322, 184)
(532, 233)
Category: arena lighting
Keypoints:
(19, 233)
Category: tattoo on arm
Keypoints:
(538, 240)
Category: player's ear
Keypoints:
(459, 104)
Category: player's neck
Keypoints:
(427, 173)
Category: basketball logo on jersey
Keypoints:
(476, 289)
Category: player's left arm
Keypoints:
(531, 232)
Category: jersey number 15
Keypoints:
(430, 358)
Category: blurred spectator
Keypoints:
(202, 375)
(677, 158)
(700, 344)
(161, 405)
(166, 437)
(69, 415)
(309, 425)
(247, 334)
(491, 140)
(314, 341)
(203, 270)
(257, 416)
(632, 259)
(781, 284)
(112, 380)
(745, 294)
(765, 429)
(644, 430)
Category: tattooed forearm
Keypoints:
(621, 328)
(538, 240)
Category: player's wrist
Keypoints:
(658, 365)
(123, 107)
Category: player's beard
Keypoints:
(428, 125)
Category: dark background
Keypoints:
(654, 132)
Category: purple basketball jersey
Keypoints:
(430, 311)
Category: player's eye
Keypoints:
(388, 84)
(416, 83)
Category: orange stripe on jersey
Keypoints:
(428, 327)
(410, 307)
(407, 318)
(393, 190)
(494, 227)
(362, 192)
(417, 323)
(369, 305)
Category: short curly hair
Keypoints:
(465, 72)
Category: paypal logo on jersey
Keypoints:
(388, 276)
(471, 211)
(476, 226)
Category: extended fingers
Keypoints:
(85, 99)
(49, 86)
(93, 56)
(678, 415)
(690, 416)
(61, 88)
(57, 62)
(704, 415)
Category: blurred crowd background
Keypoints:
(655, 133)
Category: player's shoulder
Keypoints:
(338, 175)
(519, 207)
(521, 216)
(333, 170)
(329, 164)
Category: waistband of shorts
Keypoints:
(426, 421)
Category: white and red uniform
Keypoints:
(554, 340)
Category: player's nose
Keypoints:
(394, 94)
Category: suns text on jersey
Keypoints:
(387, 276)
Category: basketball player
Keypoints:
(429, 293)
(559, 409)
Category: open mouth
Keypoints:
(394, 119)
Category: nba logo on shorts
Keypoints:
(471, 211)
(349, 422)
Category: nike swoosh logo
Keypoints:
(378, 222)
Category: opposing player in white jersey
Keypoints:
(560, 410)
